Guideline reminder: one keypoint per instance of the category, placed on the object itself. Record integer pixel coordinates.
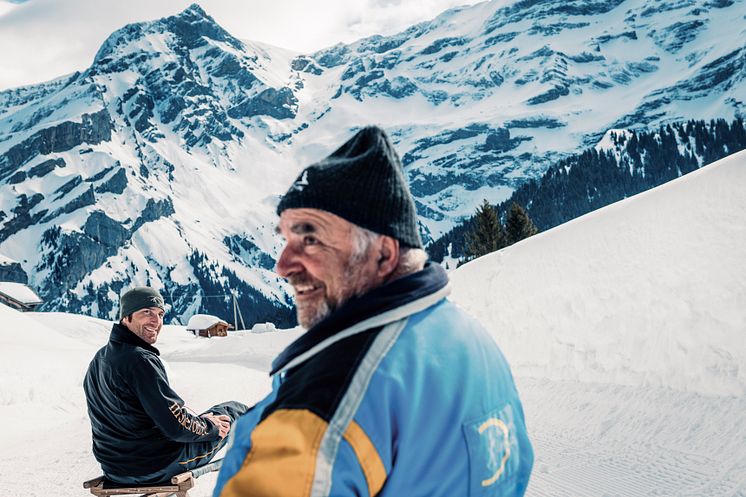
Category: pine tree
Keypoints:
(518, 225)
(487, 233)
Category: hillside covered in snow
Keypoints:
(646, 291)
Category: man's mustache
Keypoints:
(301, 279)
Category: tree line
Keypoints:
(631, 163)
(488, 234)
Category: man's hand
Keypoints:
(222, 421)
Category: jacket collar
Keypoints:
(380, 306)
(122, 334)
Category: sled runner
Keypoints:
(179, 485)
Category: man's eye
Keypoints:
(309, 240)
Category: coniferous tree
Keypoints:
(487, 233)
(518, 225)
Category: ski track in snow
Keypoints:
(600, 440)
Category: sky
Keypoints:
(43, 39)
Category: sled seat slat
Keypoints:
(93, 483)
(180, 485)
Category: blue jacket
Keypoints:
(397, 393)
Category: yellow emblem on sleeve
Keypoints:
(497, 423)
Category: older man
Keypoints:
(393, 390)
(142, 431)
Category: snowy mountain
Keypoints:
(162, 162)
(624, 330)
(133, 171)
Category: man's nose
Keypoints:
(288, 263)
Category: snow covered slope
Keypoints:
(162, 162)
(647, 291)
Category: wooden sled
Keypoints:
(180, 484)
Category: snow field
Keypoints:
(603, 440)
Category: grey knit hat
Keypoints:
(139, 298)
(362, 182)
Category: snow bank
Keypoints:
(647, 291)
(40, 369)
(242, 348)
(5, 260)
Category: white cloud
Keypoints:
(392, 16)
(5, 7)
(43, 39)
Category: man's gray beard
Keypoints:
(324, 309)
(320, 312)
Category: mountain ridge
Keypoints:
(181, 132)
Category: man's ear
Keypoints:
(388, 256)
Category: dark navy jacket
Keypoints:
(397, 393)
(139, 423)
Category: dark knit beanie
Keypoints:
(362, 182)
(138, 298)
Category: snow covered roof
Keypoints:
(203, 322)
(20, 292)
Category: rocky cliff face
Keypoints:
(12, 271)
(162, 163)
(92, 129)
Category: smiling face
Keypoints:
(145, 323)
(323, 263)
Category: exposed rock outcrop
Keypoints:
(280, 104)
(12, 271)
(154, 210)
(93, 128)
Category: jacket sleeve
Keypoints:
(165, 407)
(239, 444)
(284, 452)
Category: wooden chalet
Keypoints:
(19, 296)
(205, 325)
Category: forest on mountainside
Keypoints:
(635, 162)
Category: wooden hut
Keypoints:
(205, 325)
(19, 296)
